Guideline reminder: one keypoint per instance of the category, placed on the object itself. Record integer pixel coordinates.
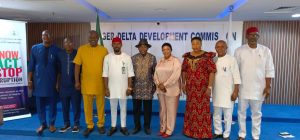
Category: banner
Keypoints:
(13, 70)
(179, 34)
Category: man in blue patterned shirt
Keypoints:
(42, 79)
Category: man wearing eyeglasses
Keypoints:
(257, 69)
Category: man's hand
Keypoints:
(208, 92)
(107, 93)
(77, 86)
(267, 92)
(30, 85)
(128, 91)
(57, 87)
(234, 95)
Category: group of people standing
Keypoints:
(93, 73)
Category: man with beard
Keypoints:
(257, 69)
(90, 58)
(117, 74)
(42, 79)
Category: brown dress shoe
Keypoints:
(101, 130)
(52, 128)
(41, 129)
(112, 131)
(87, 131)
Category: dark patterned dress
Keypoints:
(197, 118)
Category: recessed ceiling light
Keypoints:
(295, 15)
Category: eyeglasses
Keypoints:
(253, 35)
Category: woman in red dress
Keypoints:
(198, 70)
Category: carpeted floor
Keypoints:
(276, 119)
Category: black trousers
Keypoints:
(137, 105)
(75, 100)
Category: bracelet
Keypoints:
(129, 88)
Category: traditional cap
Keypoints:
(116, 39)
(251, 30)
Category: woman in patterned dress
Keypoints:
(198, 70)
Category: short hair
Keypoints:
(93, 31)
(222, 41)
(46, 32)
(167, 44)
(68, 38)
(196, 38)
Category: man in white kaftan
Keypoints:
(117, 73)
(225, 91)
(257, 69)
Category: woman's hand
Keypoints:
(183, 88)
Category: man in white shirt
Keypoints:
(257, 69)
(225, 91)
(117, 74)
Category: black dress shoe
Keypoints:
(124, 131)
(217, 136)
(40, 130)
(112, 131)
(226, 138)
(148, 131)
(240, 138)
(64, 129)
(101, 130)
(76, 129)
(136, 130)
(87, 132)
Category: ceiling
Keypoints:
(147, 10)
